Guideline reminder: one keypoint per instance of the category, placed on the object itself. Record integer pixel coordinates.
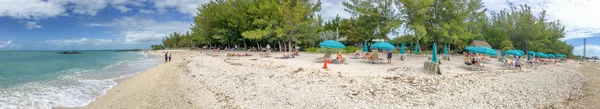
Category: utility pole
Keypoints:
(584, 41)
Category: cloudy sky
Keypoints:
(123, 24)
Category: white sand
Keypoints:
(213, 80)
(300, 83)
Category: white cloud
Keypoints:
(82, 41)
(5, 44)
(184, 6)
(591, 50)
(32, 25)
(39, 9)
(122, 8)
(146, 11)
(332, 8)
(30, 9)
(136, 29)
(576, 15)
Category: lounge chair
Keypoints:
(470, 64)
(320, 59)
(376, 58)
(359, 53)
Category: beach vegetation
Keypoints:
(297, 23)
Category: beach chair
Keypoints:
(470, 65)
(376, 58)
(320, 59)
(360, 55)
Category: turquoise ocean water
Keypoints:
(44, 79)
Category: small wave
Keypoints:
(116, 64)
(70, 93)
(74, 88)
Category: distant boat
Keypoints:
(69, 52)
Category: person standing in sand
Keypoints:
(389, 57)
(166, 56)
(170, 54)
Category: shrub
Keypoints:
(312, 49)
(350, 49)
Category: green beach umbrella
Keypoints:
(434, 54)
(383, 45)
(332, 44)
(402, 49)
(365, 47)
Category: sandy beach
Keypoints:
(213, 80)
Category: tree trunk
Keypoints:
(280, 46)
(257, 45)
(418, 46)
(245, 46)
(289, 44)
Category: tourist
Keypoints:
(166, 56)
(389, 56)
(339, 57)
(170, 55)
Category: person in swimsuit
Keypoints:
(339, 57)
(170, 57)
(166, 56)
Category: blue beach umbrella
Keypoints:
(332, 44)
(434, 54)
(491, 52)
(445, 50)
(383, 45)
(514, 52)
(416, 49)
(365, 47)
(482, 50)
(529, 54)
(550, 55)
(521, 51)
(540, 54)
(402, 49)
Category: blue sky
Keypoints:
(126, 24)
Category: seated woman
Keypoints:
(340, 58)
(518, 64)
(474, 60)
(296, 53)
(369, 56)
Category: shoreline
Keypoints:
(143, 87)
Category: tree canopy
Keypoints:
(285, 24)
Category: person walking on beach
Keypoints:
(170, 54)
(166, 56)
(389, 56)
